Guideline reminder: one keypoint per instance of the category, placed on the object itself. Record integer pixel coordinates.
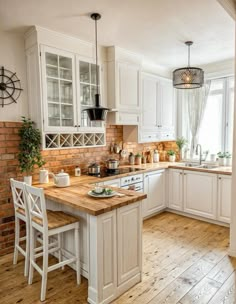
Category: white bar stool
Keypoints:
(21, 213)
(49, 223)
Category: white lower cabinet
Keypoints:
(224, 198)
(154, 187)
(200, 193)
(175, 189)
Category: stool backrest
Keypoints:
(37, 205)
(18, 194)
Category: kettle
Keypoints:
(61, 179)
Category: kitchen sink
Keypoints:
(205, 166)
(196, 165)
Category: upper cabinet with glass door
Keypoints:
(88, 89)
(59, 90)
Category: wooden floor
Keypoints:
(185, 261)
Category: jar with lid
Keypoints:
(77, 171)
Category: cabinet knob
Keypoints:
(180, 173)
(219, 177)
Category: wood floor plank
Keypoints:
(201, 293)
(227, 293)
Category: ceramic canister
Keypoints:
(43, 176)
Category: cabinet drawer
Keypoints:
(149, 137)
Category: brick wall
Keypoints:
(55, 160)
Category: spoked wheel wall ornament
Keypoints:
(10, 87)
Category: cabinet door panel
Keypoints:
(224, 198)
(149, 102)
(128, 87)
(200, 194)
(154, 186)
(113, 182)
(176, 189)
(129, 242)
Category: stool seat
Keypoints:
(56, 219)
(21, 211)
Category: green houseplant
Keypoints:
(228, 157)
(171, 154)
(29, 155)
(138, 159)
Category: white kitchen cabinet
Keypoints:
(224, 198)
(158, 118)
(61, 83)
(123, 79)
(200, 193)
(175, 188)
(154, 187)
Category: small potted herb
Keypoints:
(221, 158)
(171, 155)
(29, 155)
(138, 159)
(228, 159)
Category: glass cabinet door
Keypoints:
(60, 100)
(88, 89)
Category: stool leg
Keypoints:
(32, 245)
(17, 237)
(59, 238)
(27, 250)
(77, 254)
(45, 268)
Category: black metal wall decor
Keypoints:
(10, 87)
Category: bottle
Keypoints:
(77, 171)
(155, 156)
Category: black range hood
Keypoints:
(97, 113)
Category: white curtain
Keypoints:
(196, 104)
(192, 103)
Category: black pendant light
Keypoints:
(98, 112)
(188, 77)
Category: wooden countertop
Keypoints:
(76, 196)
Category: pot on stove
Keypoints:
(112, 164)
(94, 169)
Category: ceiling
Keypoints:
(155, 28)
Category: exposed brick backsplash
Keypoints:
(56, 160)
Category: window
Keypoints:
(216, 130)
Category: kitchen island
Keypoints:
(110, 237)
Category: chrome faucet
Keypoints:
(199, 147)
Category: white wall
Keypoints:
(12, 57)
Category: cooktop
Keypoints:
(111, 172)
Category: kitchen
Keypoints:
(56, 64)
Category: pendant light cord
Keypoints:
(96, 50)
(189, 55)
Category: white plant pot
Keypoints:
(172, 158)
(28, 180)
(221, 161)
(228, 162)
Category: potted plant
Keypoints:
(181, 142)
(228, 159)
(171, 155)
(29, 155)
(221, 158)
(138, 158)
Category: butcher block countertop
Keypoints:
(76, 196)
